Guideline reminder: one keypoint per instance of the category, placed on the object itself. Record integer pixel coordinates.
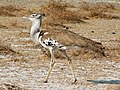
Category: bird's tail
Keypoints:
(90, 44)
(95, 46)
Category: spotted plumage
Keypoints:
(49, 42)
(53, 43)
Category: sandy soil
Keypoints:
(25, 66)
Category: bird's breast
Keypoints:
(34, 38)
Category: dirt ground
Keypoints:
(24, 66)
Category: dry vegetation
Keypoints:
(58, 13)
(6, 49)
(3, 26)
(62, 13)
(99, 10)
(8, 10)
(13, 11)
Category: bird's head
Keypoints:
(34, 16)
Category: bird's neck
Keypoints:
(35, 30)
(36, 27)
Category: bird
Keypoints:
(59, 39)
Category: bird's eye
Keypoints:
(33, 15)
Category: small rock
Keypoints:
(67, 27)
(92, 31)
(61, 68)
(113, 33)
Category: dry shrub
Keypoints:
(99, 10)
(3, 26)
(13, 11)
(97, 6)
(57, 12)
(8, 10)
(6, 50)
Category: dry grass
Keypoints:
(59, 13)
(99, 10)
(3, 26)
(6, 50)
(12, 11)
(11, 23)
(8, 10)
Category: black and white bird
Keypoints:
(54, 39)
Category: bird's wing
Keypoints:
(69, 38)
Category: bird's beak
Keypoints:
(25, 17)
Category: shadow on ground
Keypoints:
(105, 81)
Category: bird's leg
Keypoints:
(52, 62)
(70, 65)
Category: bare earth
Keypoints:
(28, 67)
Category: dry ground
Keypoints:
(25, 66)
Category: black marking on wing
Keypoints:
(53, 43)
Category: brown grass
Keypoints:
(12, 11)
(61, 10)
(6, 50)
(99, 10)
(3, 26)
(59, 13)
(97, 6)
(8, 10)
